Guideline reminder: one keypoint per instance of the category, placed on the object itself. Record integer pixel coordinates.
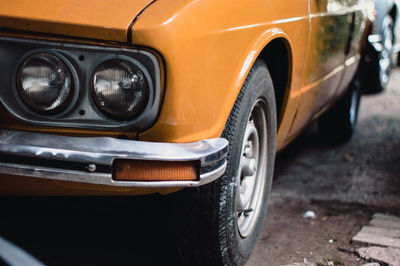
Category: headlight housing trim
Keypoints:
(80, 59)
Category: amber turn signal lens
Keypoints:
(140, 170)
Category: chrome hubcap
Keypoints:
(252, 170)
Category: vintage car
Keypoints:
(383, 43)
(193, 97)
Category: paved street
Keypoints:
(343, 185)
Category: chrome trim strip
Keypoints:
(103, 151)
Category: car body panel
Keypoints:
(99, 19)
(221, 48)
(208, 48)
(241, 39)
(11, 185)
(332, 41)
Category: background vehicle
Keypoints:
(146, 96)
(383, 43)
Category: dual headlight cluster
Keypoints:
(118, 87)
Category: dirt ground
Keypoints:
(344, 185)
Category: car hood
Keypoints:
(107, 20)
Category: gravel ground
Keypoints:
(344, 185)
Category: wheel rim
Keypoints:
(385, 61)
(252, 170)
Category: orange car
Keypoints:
(130, 97)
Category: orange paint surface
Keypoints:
(99, 19)
(208, 48)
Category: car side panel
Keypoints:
(330, 34)
(355, 46)
(208, 47)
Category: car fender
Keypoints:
(208, 61)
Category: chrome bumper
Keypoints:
(90, 160)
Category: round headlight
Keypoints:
(44, 83)
(120, 89)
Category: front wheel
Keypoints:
(219, 224)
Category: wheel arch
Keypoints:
(278, 58)
(275, 50)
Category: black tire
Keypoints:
(208, 232)
(337, 124)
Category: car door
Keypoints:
(330, 27)
(353, 47)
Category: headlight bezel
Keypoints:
(81, 60)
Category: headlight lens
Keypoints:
(44, 83)
(120, 89)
